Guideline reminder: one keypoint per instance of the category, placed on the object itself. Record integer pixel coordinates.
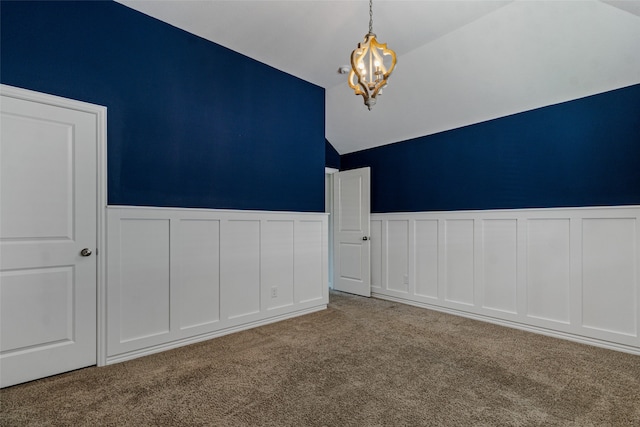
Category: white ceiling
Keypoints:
(459, 62)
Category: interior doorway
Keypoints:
(328, 208)
(350, 253)
(51, 235)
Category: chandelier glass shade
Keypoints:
(371, 65)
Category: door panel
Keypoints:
(352, 247)
(48, 193)
(18, 303)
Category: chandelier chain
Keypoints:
(370, 16)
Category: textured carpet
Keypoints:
(361, 362)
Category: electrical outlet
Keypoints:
(274, 292)
(406, 279)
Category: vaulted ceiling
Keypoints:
(459, 62)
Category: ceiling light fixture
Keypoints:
(371, 66)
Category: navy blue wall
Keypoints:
(190, 123)
(579, 153)
(331, 155)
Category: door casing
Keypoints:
(100, 113)
(359, 237)
(328, 189)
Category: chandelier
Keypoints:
(371, 66)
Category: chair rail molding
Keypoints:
(566, 272)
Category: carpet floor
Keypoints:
(361, 362)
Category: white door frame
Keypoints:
(100, 113)
(328, 208)
(364, 177)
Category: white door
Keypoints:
(352, 244)
(48, 201)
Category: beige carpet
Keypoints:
(362, 362)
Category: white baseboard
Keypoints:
(568, 272)
(204, 337)
(177, 276)
(515, 325)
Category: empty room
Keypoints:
(320, 213)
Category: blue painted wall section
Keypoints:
(331, 155)
(190, 123)
(584, 152)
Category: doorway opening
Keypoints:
(328, 208)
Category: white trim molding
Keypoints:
(100, 113)
(572, 273)
(179, 276)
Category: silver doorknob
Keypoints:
(85, 252)
(365, 238)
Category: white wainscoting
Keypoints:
(178, 276)
(567, 272)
